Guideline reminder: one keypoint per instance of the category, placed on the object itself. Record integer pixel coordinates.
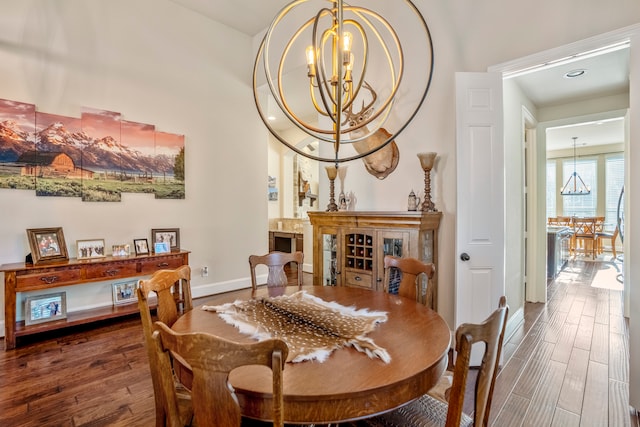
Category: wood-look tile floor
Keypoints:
(567, 365)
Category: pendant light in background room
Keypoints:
(575, 186)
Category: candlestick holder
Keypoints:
(426, 161)
(332, 173)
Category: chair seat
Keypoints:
(426, 411)
(442, 390)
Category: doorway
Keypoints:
(536, 250)
(556, 112)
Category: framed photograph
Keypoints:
(125, 292)
(88, 249)
(47, 245)
(166, 235)
(161, 247)
(120, 250)
(45, 308)
(141, 246)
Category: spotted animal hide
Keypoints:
(311, 327)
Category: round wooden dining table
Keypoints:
(348, 385)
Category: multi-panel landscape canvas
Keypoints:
(96, 157)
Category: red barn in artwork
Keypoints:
(51, 165)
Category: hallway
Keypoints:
(567, 364)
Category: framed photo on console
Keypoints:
(47, 245)
(141, 246)
(161, 247)
(166, 235)
(45, 308)
(88, 249)
(125, 292)
(120, 250)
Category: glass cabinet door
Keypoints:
(427, 246)
(329, 259)
(396, 244)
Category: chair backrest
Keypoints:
(410, 271)
(491, 332)
(276, 261)
(211, 359)
(560, 220)
(173, 292)
(168, 306)
(584, 227)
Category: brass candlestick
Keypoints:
(426, 161)
(332, 172)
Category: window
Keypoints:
(582, 205)
(614, 180)
(552, 188)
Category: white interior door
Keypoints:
(480, 241)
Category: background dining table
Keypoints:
(349, 385)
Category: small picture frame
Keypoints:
(141, 246)
(161, 247)
(92, 248)
(166, 235)
(45, 308)
(125, 292)
(120, 250)
(47, 245)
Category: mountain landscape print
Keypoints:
(96, 157)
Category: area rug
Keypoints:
(311, 327)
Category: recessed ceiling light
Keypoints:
(574, 73)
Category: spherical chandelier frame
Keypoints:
(337, 94)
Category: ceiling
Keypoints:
(232, 12)
(605, 74)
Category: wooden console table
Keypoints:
(21, 277)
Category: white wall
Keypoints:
(274, 161)
(514, 101)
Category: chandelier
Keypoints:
(334, 71)
(575, 186)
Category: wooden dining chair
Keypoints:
(428, 411)
(559, 220)
(584, 234)
(211, 359)
(401, 276)
(276, 262)
(603, 235)
(170, 292)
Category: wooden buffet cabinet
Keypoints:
(21, 277)
(349, 246)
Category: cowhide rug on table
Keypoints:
(311, 327)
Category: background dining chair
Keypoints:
(428, 411)
(601, 235)
(172, 289)
(211, 359)
(585, 235)
(401, 276)
(276, 262)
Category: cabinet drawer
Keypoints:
(111, 270)
(359, 279)
(39, 279)
(151, 265)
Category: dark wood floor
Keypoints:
(567, 365)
